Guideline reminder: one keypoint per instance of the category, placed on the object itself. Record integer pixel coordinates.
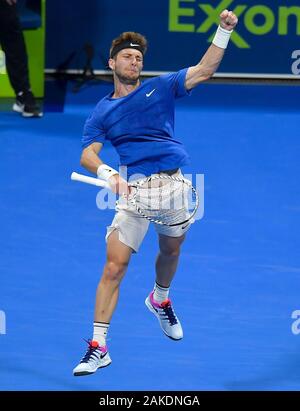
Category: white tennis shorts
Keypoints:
(132, 227)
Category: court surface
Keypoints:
(239, 276)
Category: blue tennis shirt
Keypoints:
(141, 125)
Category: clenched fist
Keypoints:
(228, 20)
(119, 185)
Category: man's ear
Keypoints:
(111, 64)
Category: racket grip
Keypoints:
(89, 180)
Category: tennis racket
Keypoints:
(161, 199)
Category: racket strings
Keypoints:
(166, 201)
(166, 197)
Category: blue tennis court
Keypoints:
(238, 279)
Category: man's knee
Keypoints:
(170, 246)
(114, 270)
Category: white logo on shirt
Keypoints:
(149, 94)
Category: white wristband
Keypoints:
(105, 172)
(222, 37)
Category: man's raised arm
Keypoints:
(213, 57)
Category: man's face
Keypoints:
(127, 65)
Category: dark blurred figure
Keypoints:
(13, 45)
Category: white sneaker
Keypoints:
(166, 316)
(95, 357)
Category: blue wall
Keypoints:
(264, 40)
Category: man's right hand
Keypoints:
(119, 185)
(11, 2)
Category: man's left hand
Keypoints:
(228, 20)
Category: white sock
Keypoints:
(160, 293)
(100, 332)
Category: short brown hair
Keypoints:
(130, 36)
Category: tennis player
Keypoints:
(138, 119)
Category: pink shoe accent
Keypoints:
(103, 349)
(95, 344)
(157, 304)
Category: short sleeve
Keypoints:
(93, 131)
(176, 81)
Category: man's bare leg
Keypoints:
(166, 264)
(117, 260)
(167, 259)
(118, 256)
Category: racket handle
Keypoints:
(89, 180)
